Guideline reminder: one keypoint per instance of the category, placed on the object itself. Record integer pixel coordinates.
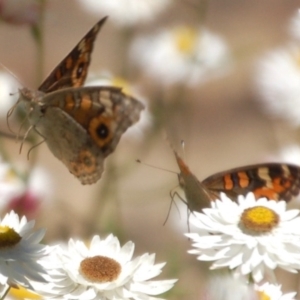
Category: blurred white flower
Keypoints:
(181, 55)
(278, 81)
(222, 285)
(23, 192)
(21, 254)
(294, 26)
(273, 292)
(40, 184)
(290, 154)
(126, 12)
(105, 271)
(8, 86)
(11, 185)
(37, 187)
(137, 131)
(251, 237)
(20, 11)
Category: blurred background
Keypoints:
(202, 69)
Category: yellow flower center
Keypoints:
(10, 175)
(122, 83)
(100, 269)
(259, 219)
(8, 237)
(263, 296)
(297, 57)
(22, 293)
(185, 39)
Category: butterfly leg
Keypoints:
(169, 210)
(189, 211)
(41, 142)
(25, 136)
(176, 194)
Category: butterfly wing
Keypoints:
(84, 125)
(72, 70)
(196, 194)
(273, 180)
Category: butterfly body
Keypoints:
(274, 181)
(80, 125)
(196, 194)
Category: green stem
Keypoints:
(127, 35)
(203, 6)
(37, 32)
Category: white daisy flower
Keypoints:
(138, 130)
(105, 271)
(126, 12)
(294, 26)
(181, 55)
(251, 237)
(278, 80)
(21, 254)
(273, 292)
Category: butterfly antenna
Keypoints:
(155, 167)
(12, 74)
(61, 82)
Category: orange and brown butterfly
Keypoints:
(80, 125)
(274, 181)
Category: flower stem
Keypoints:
(37, 32)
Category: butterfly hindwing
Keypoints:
(72, 70)
(84, 125)
(271, 180)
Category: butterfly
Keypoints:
(80, 125)
(274, 181)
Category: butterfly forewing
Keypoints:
(274, 181)
(72, 70)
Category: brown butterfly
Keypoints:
(271, 180)
(80, 125)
